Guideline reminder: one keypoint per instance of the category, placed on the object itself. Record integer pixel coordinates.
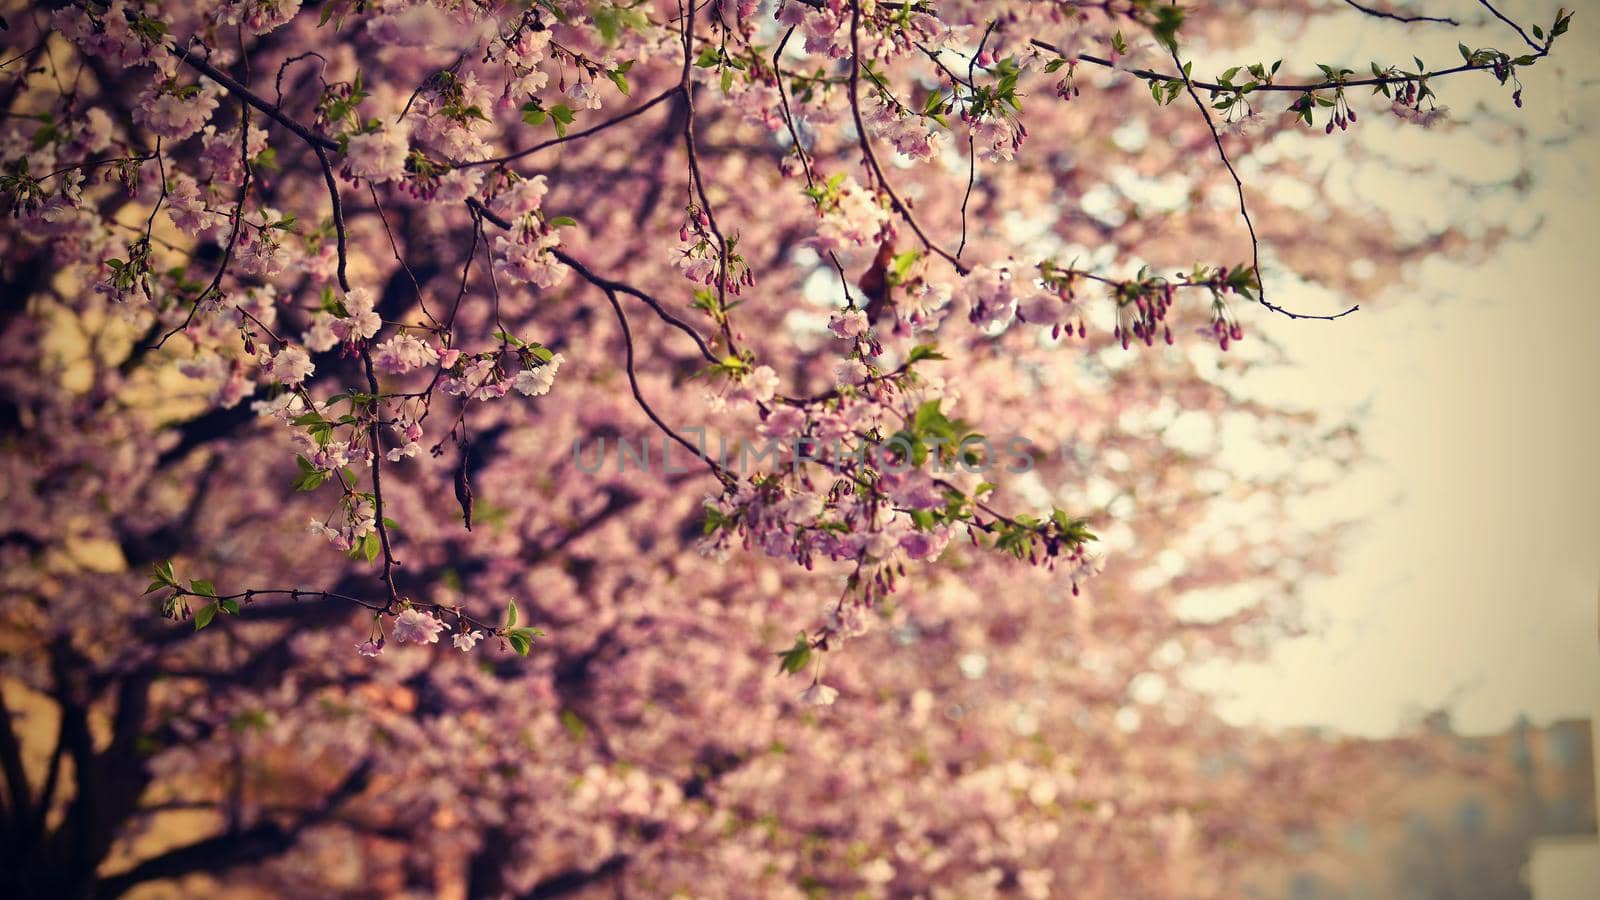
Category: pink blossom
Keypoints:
(378, 156)
(174, 113)
(784, 422)
(848, 323)
(522, 198)
(186, 206)
(291, 366)
(416, 626)
(401, 354)
(362, 322)
(761, 384)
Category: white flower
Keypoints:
(818, 694)
(320, 337)
(536, 382)
(417, 626)
(761, 384)
(467, 640)
(584, 95)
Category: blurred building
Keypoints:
(1507, 816)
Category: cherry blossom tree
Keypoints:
(815, 473)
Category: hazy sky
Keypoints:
(1476, 578)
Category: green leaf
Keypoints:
(521, 639)
(796, 657)
(607, 22)
(511, 612)
(204, 615)
(563, 221)
(164, 572)
(202, 587)
(573, 723)
(618, 79)
(924, 351)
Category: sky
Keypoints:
(1474, 581)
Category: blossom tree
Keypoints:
(787, 386)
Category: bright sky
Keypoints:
(1475, 581)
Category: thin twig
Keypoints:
(1244, 210)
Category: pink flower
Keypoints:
(1426, 118)
(363, 321)
(1044, 308)
(291, 366)
(526, 258)
(848, 324)
(401, 354)
(522, 198)
(370, 647)
(466, 640)
(186, 206)
(924, 544)
(175, 113)
(418, 627)
(378, 156)
(784, 422)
